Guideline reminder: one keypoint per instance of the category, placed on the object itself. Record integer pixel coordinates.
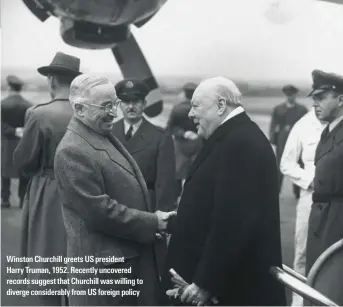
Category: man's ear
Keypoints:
(79, 109)
(221, 106)
(340, 100)
(144, 104)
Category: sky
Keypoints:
(239, 39)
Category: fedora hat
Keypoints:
(62, 64)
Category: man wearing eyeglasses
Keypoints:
(106, 207)
(326, 217)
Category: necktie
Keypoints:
(129, 133)
(325, 133)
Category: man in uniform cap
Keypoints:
(186, 140)
(43, 231)
(13, 109)
(284, 116)
(151, 146)
(326, 217)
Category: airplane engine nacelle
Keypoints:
(95, 24)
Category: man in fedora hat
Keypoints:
(284, 116)
(43, 231)
(186, 141)
(13, 109)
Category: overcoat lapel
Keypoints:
(211, 143)
(102, 143)
(134, 166)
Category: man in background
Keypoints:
(186, 141)
(284, 116)
(326, 217)
(301, 144)
(151, 146)
(13, 109)
(43, 230)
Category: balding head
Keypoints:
(213, 100)
(94, 101)
(220, 88)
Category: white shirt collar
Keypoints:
(335, 123)
(135, 127)
(235, 112)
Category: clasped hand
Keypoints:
(163, 221)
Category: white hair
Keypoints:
(223, 88)
(88, 88)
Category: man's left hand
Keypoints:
(195, 296)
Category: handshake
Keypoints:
(164, 219)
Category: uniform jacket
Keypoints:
(43, 231)
(283, 119)
(106, 205)
(153, 150)
(326, 219)
(227, 231)
(13, 109)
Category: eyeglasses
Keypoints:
(106, 108)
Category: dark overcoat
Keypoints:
(13, 109)
(152, 148)
(43, 231)
(326, 217)
(227, 231)
(106, 211)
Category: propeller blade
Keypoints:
(37, 9)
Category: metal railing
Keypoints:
(297, 283)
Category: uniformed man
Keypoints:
(151, 146)
(284, 116)
(13, 109)
(301, 144)
(326, 217)
(186, 140)
(43, 230)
